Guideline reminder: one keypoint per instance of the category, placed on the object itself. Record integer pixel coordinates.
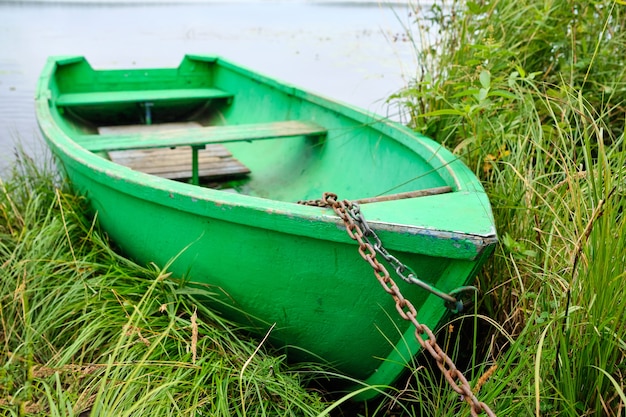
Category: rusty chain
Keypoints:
(455, 378)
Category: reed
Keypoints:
(530, 95)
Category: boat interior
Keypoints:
(148, 135)
(217, 127)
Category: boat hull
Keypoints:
(267, 262)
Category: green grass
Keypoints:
(530, 94)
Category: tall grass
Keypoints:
(530, 94)
(84, 331)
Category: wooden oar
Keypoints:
(408, 194)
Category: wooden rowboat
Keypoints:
(206, 162)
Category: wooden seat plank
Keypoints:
(151, 156)
(215, 162)
(200, 137)
(176, 164)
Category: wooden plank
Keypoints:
(216, 172)
(141, 96)
(215, 161)
(409, 194)
(176, 163)
(154, 157)
(159, 127)
(201, 136)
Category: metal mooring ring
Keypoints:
(460, 303)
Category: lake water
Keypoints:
(351, 51)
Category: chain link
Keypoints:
(351, 216)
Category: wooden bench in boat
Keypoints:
(141, 96)
(215, 163)
(154, 137)
(144, 98)
(200, 136)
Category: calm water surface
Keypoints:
(344, 51)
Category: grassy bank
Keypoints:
(531, 95)
(83, 330)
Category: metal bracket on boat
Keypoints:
(453, 300)
(148, 115)
(462, 303)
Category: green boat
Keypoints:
(205, 164)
